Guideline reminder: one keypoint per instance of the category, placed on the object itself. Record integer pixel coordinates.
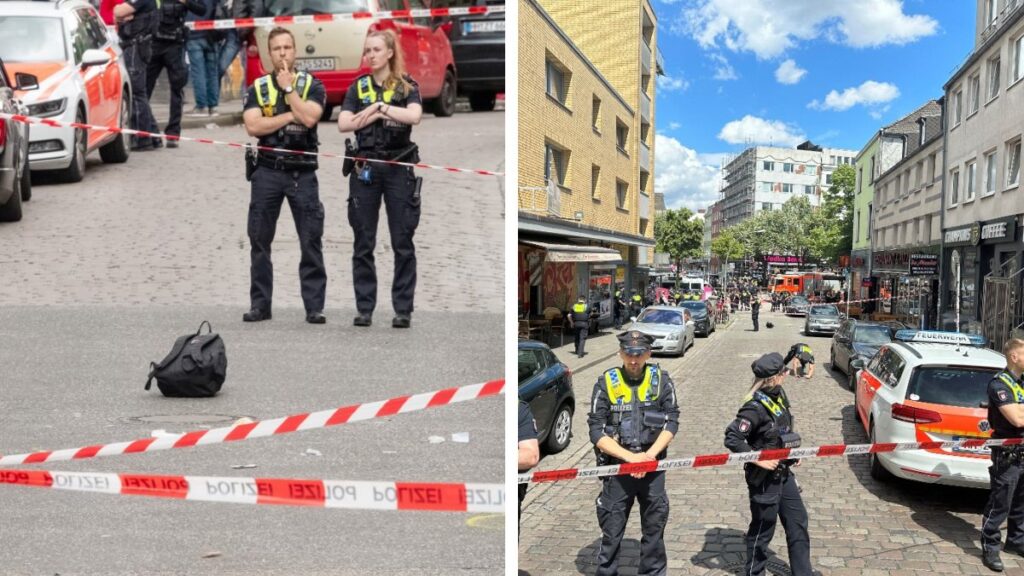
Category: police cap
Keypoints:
(635, 341)
(768, 365)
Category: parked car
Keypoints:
(81, 78)
(703, 319)
(798, 306)
(478, 46)
(671, 326)
(15, 178)
(857, 340)
(928, 387)
(546, 385)
(822, 319)
(333, 50)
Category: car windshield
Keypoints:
(964, 386)
(661, 317)
(31, 39)
(299, 7)
(872, 335)
(825, 311)
(799, 301)
(698, 308)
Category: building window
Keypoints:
(873, 174)
(595, 115)
(954, 187)
(856, 226)
(556, 164)
(930, 171)
(918, 174)
(766, 206)
(808, 189)
(990, 173)
(1017, 53)
(787, 188)
(768, 165)
(993, 77)
(765, 186)
(973, 93)
(831, 160)
(557, 81)
(1013, 163)
(972, 169)
(828, 179)
(621, 190)
(787, 167)
(860, 179)
(958, 100)
(621, 136)
(811, 170)
(595, 181)
(992, 11)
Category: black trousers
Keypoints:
(136, 59)
(778, 496)
(613, 508)
(1005, 500)
(269, 189)
(169, 56)
(580, 332)
(396, 186)
(753, 318)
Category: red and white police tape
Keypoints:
(229, 23)
(362, 495)
(146, 134)
(709, 460)
(276, 426)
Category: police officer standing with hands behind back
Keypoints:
(634, 417)
(136, 22)
(282, 109)
(1006, 475)
(381, 108)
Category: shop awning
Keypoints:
(574, 253)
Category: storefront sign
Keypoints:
(964, 235)
(1003, 230)
(924, 264)
(892, 260)
(781, 259)
(866, 283)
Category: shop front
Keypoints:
(554, 275)
(971, 253)
(860, 270)
(905, 281)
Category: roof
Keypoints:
(921, 353)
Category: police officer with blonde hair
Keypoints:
(634, 415)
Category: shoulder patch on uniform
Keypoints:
(744, 424)
(1002, 395)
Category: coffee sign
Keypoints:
(1002, 230)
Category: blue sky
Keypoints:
(782, 71)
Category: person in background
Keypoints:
(202, 62)
(228, 48)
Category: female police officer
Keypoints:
(765, 422)
(381, 108)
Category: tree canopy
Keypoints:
(679, 234)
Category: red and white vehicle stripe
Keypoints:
(229, 23)
(709, 460)
(351, 494)
(274, 427)
(147, 134)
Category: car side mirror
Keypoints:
(95, 57)
(857, 364)
(23, 81)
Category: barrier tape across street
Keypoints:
(709, 460)
(146, 134)
(273, 427)
(229, 23)
(361, 495)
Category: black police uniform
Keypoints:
(765, 422)
(801, 352)
(635, 425)
(293, 176)
(397, 185)
(527, 431)
(618, 309)
(136, 37)
(755, 311)
(580, 325)
(1006, 497)
(169, 53)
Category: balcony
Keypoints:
(645, 157)
(645, 207)
(645, 58)
(645, 107)
(1009, 8)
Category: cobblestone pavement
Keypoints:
(858, 526)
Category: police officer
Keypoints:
(765, 422)
(529, 449)
(136, 22)
(169, 53)
(381, 108)
(636, 304)
(634, 418)
(801, 353)
(755, 310)
(1006, 497)
(619, 308)
(282, 109)
(580, 318)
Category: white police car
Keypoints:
(928, 386)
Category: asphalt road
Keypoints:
(99, 278)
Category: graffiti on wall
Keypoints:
(559, 284)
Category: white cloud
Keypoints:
(870, 94)
(670, 84)
(684, 176)
(674, 125)
(754, 130)
(789, 73)
(723, 70)
(769, 28)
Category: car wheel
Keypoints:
(117, 151)
(76, 171)
(444, 105)
(561, 430)
(851, 380)
(26, 181)
(482, 101)
(11, 212)
(328, 112)
(878, 472)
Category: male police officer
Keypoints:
(282, 109)
(634, 416)
(580, 318)
(169, 53)
(755, 309)
(136, 21)
(1006, 497)
(801, 353)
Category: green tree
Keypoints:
(679, 234)
(837, 207)
(727, 247)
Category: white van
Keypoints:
(698, 284)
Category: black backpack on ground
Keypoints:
(195, 367)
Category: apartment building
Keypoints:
(983, 201)
(586, 158)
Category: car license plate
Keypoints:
(314, 64)
(483, 26)
(983, 450)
